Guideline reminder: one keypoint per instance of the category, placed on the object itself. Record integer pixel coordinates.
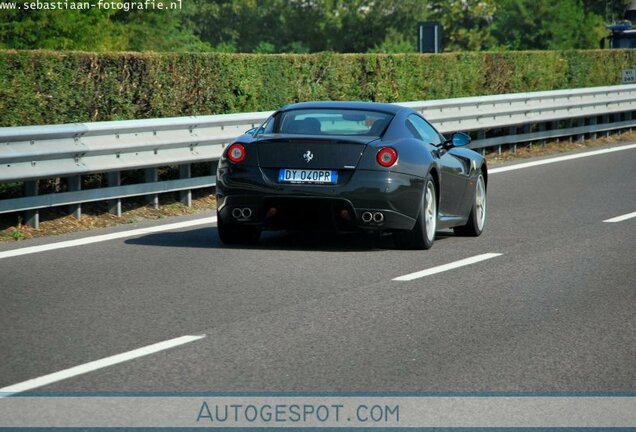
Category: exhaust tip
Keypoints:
(378, 217)
(367, 217)
(242, 214)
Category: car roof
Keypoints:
(372, 106)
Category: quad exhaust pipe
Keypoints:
(246, 213)
(368, 217)
(242, 214)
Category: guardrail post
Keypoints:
(629, 116)
(74, 185)
(513, 131)
(481, 134)
(151, 177)
(526, 130)
(606, 119)
(114, 179)
(593, 123)
(185, 171)
(581, 123)
(555, 125)
(542, 129)
(31, 217)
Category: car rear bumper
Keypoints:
(392, 200)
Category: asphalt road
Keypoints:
(554, 312)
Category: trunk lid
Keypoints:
(311, 152)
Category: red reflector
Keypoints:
(387, 156)
(236, 153)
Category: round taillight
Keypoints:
(236, 153)
(387, 156)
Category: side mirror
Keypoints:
(251, 131)
(460, 139)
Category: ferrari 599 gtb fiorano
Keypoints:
(350, 166)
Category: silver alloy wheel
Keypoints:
(480, 202)
(430, 211)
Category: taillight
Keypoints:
(387, 156)
(236, 153)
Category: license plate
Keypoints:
(307, 176)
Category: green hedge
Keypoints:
(44, 87)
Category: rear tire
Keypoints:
(236, 234)
(477, 218)
(423, 233)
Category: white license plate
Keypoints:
(307, 176)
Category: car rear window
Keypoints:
(332, 122)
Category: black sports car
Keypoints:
(350, 166)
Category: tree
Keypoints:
(305, 25)
(395, 42)
(609, 10)
(97, 29)
(59, 29)
(545, 24)
(359, 25)
(465, 23)
(157, 30)
(301, 26)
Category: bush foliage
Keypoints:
(45, 87)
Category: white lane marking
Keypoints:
(95, 365)
(105, 237)
(446, 267)
(621, 218)
(560, 159)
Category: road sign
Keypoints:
(429, 37)
(629, 76)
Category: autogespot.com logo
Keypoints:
(299, 413)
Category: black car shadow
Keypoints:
(208, 238)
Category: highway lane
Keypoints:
(553, 312)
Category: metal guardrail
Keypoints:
(32, 153)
